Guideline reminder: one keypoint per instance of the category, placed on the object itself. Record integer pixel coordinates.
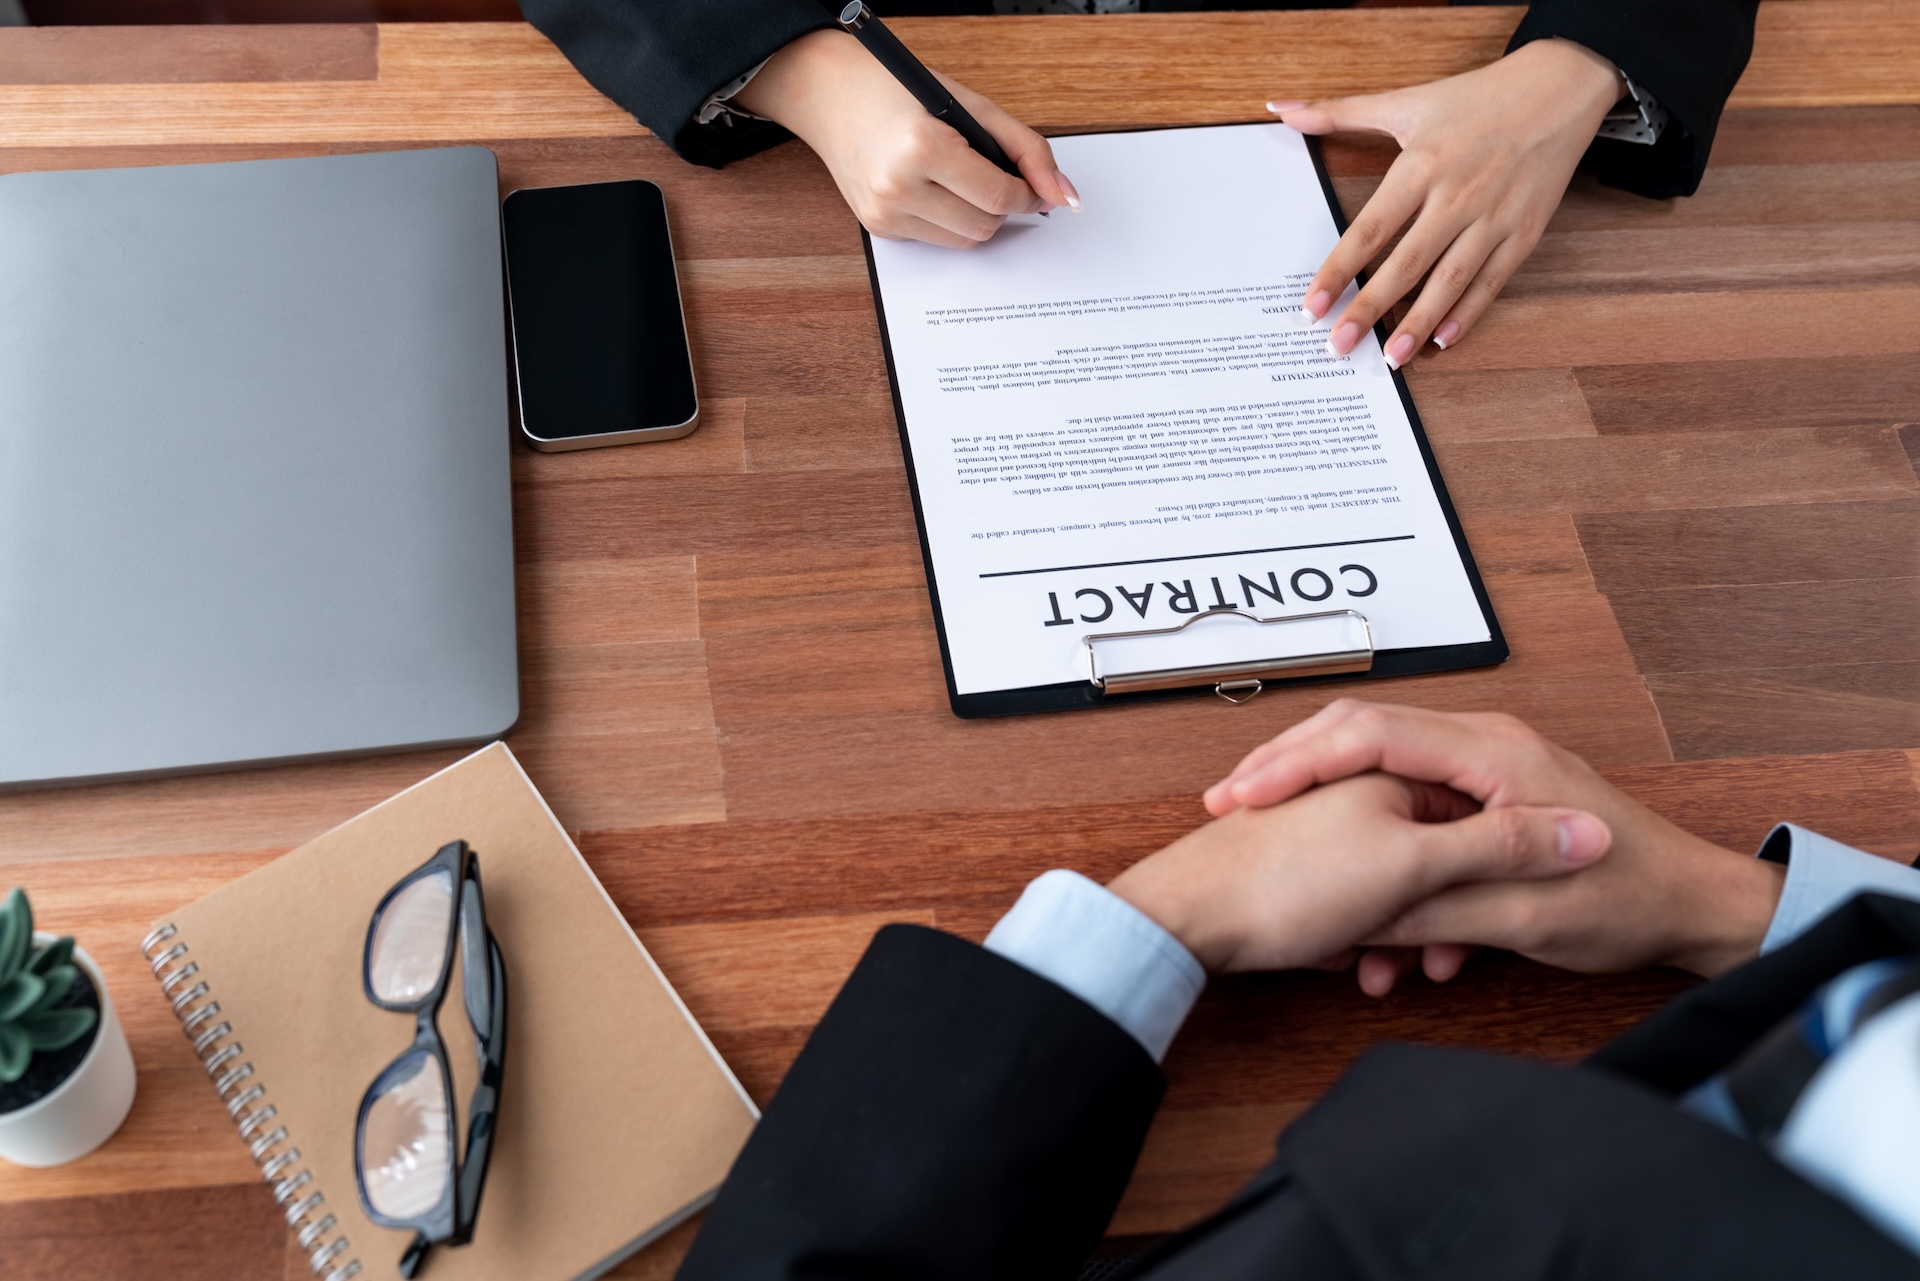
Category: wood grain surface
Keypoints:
(1682, 446)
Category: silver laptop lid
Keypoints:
(254, 489)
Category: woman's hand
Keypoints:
(906, 175)
(1661, 897)
(1484, 159)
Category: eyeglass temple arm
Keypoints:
(416, 1251)
(484, 1106)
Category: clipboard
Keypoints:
(1232, 653)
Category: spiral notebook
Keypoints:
(618, 1119)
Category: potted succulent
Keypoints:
(66, 1075)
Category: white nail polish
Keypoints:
(1391, 362)
(1442, 346)
(1311, 318)
(1334, 351)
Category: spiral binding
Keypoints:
(245, 1098)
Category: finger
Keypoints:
(1486, 286)
(1447, 281)
(1482, 914)
(932, 202)
(1443, 961)
(1361, 113)
(1027, 149)
(1397, 199)
(1522, 842)
(903, 226)
(1340, 960)
(1355, 742)
(1380, 968)
(1469, 753)
(1435, 802)
(981, 183)
(1419, 251)
(1219, 799)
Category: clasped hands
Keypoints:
(1389, 836)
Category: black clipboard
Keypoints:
(1234, 687)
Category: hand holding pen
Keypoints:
(906, 173)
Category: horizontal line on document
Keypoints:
(1161, 560)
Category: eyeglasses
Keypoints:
(410, 1172)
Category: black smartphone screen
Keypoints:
(599, 340)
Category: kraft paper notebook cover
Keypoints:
(617, 1117)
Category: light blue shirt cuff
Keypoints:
(1104, 950)
(1822, 874)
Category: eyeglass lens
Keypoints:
(410, 940)
(406, 1145)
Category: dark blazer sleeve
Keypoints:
(1686, 53)
(662, 59)
(952, 1116)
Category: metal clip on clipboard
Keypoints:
(1231, 650)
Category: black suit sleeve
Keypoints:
(662, 59)
(1686, 53)
(952, 1116)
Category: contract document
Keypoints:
(1122, 421)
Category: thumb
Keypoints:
(1519, 842)
(1362, 113)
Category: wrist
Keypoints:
(1729, 907)
(1588, 79)
(791, 83)
(1163, 887)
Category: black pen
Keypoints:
(859, 22)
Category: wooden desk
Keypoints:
(1676, 443)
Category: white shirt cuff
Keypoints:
(721, 103)
(1821, 875)
(1104, 950)
(1637, 117)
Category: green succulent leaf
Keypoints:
(56, 1029)
(54, 954)
(16, 932)
(19, 994)
(16, 1051)
(59, 980)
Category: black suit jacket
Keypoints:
(662, 59)
(956, 1116)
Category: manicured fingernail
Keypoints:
(1281, 108)
(1399, 350)
(1317, 303)
(1342, 339)
(1583, 838)
(1067, 189)
(1443, 337)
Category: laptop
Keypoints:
(254, 489)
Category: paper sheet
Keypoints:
(1122, 418)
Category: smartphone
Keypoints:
(600, 350)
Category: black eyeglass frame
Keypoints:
(451, 1221)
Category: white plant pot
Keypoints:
(85, 1109)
